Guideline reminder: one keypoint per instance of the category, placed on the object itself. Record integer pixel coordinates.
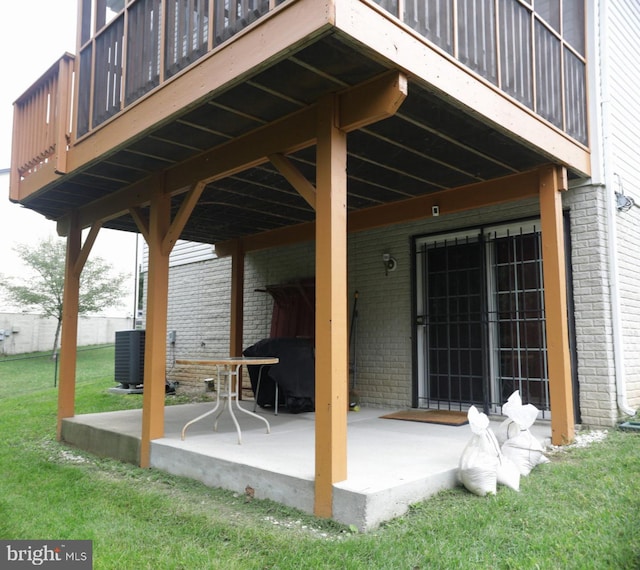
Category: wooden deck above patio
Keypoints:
(251, 75)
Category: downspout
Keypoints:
(607, 166)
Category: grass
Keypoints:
(580, 511)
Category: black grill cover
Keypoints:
(295, 373)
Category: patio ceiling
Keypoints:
(428, 146)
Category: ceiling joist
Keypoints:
(361, 105)
(481, 194)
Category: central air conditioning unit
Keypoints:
(129, 365)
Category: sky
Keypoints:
(33, 35)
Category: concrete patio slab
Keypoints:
(391, 463)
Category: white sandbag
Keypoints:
(524, 416)
(478, 471)
(478, 421)
(482, 465)
(517, 442)
(508, 473)
(525, 451)
(507, 429)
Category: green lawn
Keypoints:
(580, 511)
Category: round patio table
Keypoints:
(227, 386)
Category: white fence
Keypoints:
(22, 333)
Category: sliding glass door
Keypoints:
(517, 319)
(479, 319)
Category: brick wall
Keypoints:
(594, 341)
(200, 298)
(198, 310)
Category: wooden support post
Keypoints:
(69, 338)
(332, 367)
(552, 182)
(156, 329)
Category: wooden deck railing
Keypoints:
(128, 55)
(535, 54)
(125, 54)
(148, 42)
(42, 123)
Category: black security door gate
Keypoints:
(518, 319)
(479, 319)
(452, 322)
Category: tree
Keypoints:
(99, 288)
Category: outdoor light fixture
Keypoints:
(390, 263)
(624, 203)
